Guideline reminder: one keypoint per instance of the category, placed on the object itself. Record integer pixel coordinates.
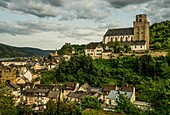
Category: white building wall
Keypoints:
(15, 63)
(119, 38)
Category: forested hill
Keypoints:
(160, 35)
(67, 49)
(7, 51)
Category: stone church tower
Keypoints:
(141, 29)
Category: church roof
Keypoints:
(119, 31)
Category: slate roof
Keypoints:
(43, 86)
(119, 31)
(36, 90)
(12, 86)
(113, 94)
(78, 94)
(69, 86)
(93, 45)
(53, 94)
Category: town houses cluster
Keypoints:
(21, 77)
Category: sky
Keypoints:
(49, 24)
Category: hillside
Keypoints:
(67, 48)
(160, 36)
(7, 51)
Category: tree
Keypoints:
(62, 108)
(123, 104)
(7, 106)
(90, 102)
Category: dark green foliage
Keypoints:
(62, 108)
(160, 36)
(67, 49)
(79, 69)
(10, 51)
(90, 102)
(149, 75)
(23, 110)
(124, 105)
(6, 102)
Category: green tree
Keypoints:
(123, 104)
(7, 106)
(62, 108)
(90, 102)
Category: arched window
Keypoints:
(116, 39)
(126, 38)
(121, 39)
(112, 39)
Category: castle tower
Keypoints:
(141, 29)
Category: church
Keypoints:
(137, 37)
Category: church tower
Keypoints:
(56, 52)
(141, 29)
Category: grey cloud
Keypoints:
(14, 29)
(80, 9)
(54, 2)
(91, 10)
(158, 10)
(123, 3)
(3, 4)
(40, 8)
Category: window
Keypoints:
(116, 39)
(88, 50)
(140, 46)
(99, 50)
(92, 50)
(140, 20)
(99, 54)
(126, 38)
(110, 102)
(121, 39)
(135, 46)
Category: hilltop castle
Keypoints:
(137, 37)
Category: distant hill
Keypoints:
(7, 51)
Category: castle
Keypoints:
(137, 37)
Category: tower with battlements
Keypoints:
(141, 29)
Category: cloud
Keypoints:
(88, 9)
(80, 9)
(158, 10)
(40, 8)
(123, 3)
(65, 31)
(14, 29)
